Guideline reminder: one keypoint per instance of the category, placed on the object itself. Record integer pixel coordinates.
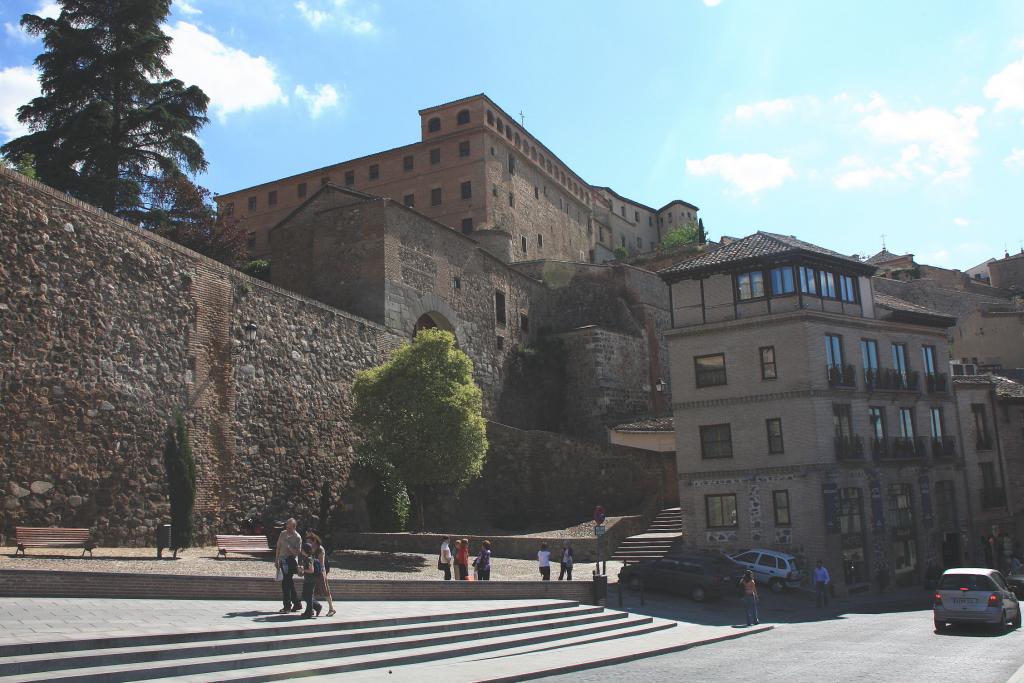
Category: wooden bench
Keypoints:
(52, 537)
(245, 545)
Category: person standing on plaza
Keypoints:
(323, 587)
(311, 571)
(566, 562)
(286, 554)
(462, 559)
(544, 562)
(483, 562)
(749, 587)
(822, 579)
(444, 560)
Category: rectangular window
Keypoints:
(750, 285)
(842, 421)
(540, 241)
(936, 423)
(721, 511)
(639, 243)
(499, 342)
(251, 243)
(272, 198)
(511, 163)
(710, 370)
(907, 423)
(900, 512)
(847, 289)
(869, 356)
(768, 368)
(467, 226)
(782, 281)
(350, 178)
(833, 351)
(499, 307)
(851, 511)
(523, 242)
(928, 359)
(435, 156)
(945, 501)
(229, 209)
(899, 364)
(716, 441)
(807, 285)
(324, 180)
(774, 435)
(374, 171)
(636, 216)
(435, 196)
(524, 322)
(409, 200)
(511, 199)
(876, 419)
(780, 502)
(408, 162)
(989, 483)
(252, 203)
(536, 192)
(981, 435)
(302, 190)
(827, 284)
(464, 148)
(466, 190)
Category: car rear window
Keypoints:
(767, 561)
(971, 582)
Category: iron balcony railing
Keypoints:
(888, 379)
(849, 448)
(905, 447)
(841, 375)
(936, 382)
(943, 447)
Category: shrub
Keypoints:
(259, 269)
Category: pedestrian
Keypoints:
(444, 559)
(567, 560)
(323, 586)
(462, 559)
(286, 553)
(311, 571)
(483, 562)
(750, 597)
(1015, 565)
(822, 579)
(544, 562)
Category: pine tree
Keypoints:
(110, 120)
(181, 482)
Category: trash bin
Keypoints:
(600, 589)
(163, 539)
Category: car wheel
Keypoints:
(776, 585)
(1004, 625)
(940, 625)
(1016, 620)
(636, 583)
(697, 594)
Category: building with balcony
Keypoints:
(813, 414)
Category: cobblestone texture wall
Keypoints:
(105, 330)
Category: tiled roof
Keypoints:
(1006, 389)
(896, 304)
(648, 424)
(884, 256)
(755, 246)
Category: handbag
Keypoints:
(280, 575)
(441, 566)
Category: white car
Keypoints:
(775, 569)
(975, 595)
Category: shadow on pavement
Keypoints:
(378, 561)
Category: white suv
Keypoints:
(778, 570)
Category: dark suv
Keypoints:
(698, 575)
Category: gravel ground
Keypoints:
(345, 564)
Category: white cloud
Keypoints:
(765, 108)
(18, 85)
(862, 177)
(962, 222)
(45, 9)
(941, 141)
(712, 3)
(334, 12)
(187, 7)
(233, 79)
(1016, 159)
(321, 98)
(748, 173)
(1007, 87)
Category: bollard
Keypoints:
(600, 589)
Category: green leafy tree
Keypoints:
(183, 212)
(621, 253)
(259, 269)
(420, 417)
(25, 165)
(181, 482)
(110, 121)
(688, 233)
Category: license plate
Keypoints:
(964, 602)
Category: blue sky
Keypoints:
(834, 122)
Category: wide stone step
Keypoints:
(386, 650)
(477, 650)
(295, 638)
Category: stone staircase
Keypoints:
(665, 531)
(326, 647)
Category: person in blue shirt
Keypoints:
(822, 579)
(312, 571)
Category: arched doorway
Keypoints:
(432, 320)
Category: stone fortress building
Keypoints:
(479, 172)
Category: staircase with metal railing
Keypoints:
(663, 533)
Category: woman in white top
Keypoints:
(544, 560)
(444, 559)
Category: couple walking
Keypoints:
(566, 562)
(308, 559)
(460, 558)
